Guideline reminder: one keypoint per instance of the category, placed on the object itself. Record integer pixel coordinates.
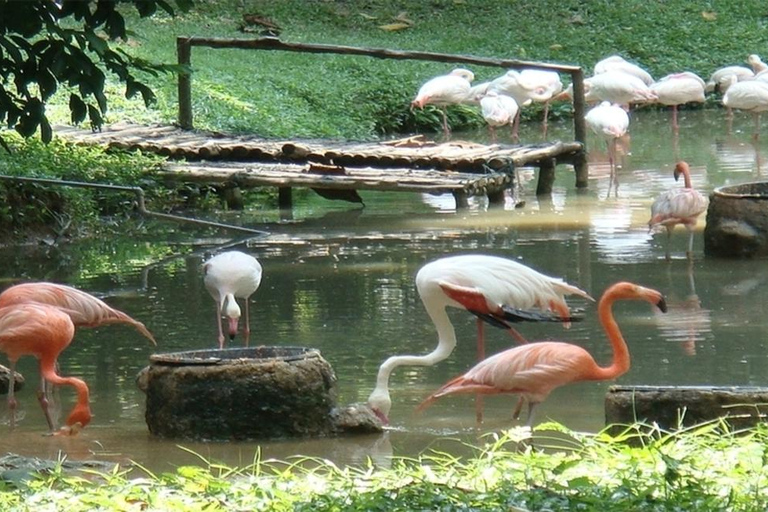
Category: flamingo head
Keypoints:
(232, 312)
(380, 404)
(680, 168)
(77, 420)
(626, 290)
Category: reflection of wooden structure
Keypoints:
(461, 168)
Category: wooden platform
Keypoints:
(336, 178)
(415, 164)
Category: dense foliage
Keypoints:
(707, 468)
(46, 44)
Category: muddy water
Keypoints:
(340, 279)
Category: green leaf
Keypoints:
(78, 108)
(95, 117)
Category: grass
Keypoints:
(280, 94)
(706, 468)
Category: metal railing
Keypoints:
(140, 202)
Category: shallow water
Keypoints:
(340, 279)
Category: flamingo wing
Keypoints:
(84, 309)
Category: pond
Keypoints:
(339, 278)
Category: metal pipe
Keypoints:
(139, 193)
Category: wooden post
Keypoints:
(580, 128)
(496, 197)
(183, 51)
(579, 108)
(284, 198)
(546, 177)
(581, 168)
(462, 200)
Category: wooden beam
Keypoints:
(273, 43)
(183, 52)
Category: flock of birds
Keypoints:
(615, 82)
(39, 319)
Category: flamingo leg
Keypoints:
(546, 115)
(669, 237)
(612, 166)
(247, 332)
(480, 357)
(757, 126)
(42, 397)
(516, 334)
(518, 408)
(446, 129)
(690, 242)
(492, 131)
(12, 403)
(531, 411)
(516, 128)
(675, 126)
(218, 323)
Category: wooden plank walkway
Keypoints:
(414, 164)
(323, 177)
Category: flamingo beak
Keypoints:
(382, 417)
(232, 328)
(662, 305)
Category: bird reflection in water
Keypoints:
(686, 322)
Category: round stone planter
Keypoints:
(737, 221)
(243, 393)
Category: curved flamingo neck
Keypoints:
(445, 345)
(620, 363)
(81, 413)
(683, 169)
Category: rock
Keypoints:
(250, 393)
(355, 419)
(673, 406)
(737, 221)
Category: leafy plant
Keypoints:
(43, 47)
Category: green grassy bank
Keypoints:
(284, 94)
(702, 469)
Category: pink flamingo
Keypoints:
(84, 309)
(42, 331)
(450, 89)
(678, 206)
(535, 369)
(496, 290)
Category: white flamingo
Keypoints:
(498, 110)
(678, 89)
(750, 95)
(495, 289)
(721, 79)
(609, 122)
(618, 63)
(443, 90)
(229, 276)
(615, 87)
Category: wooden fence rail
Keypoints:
(185, 44)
